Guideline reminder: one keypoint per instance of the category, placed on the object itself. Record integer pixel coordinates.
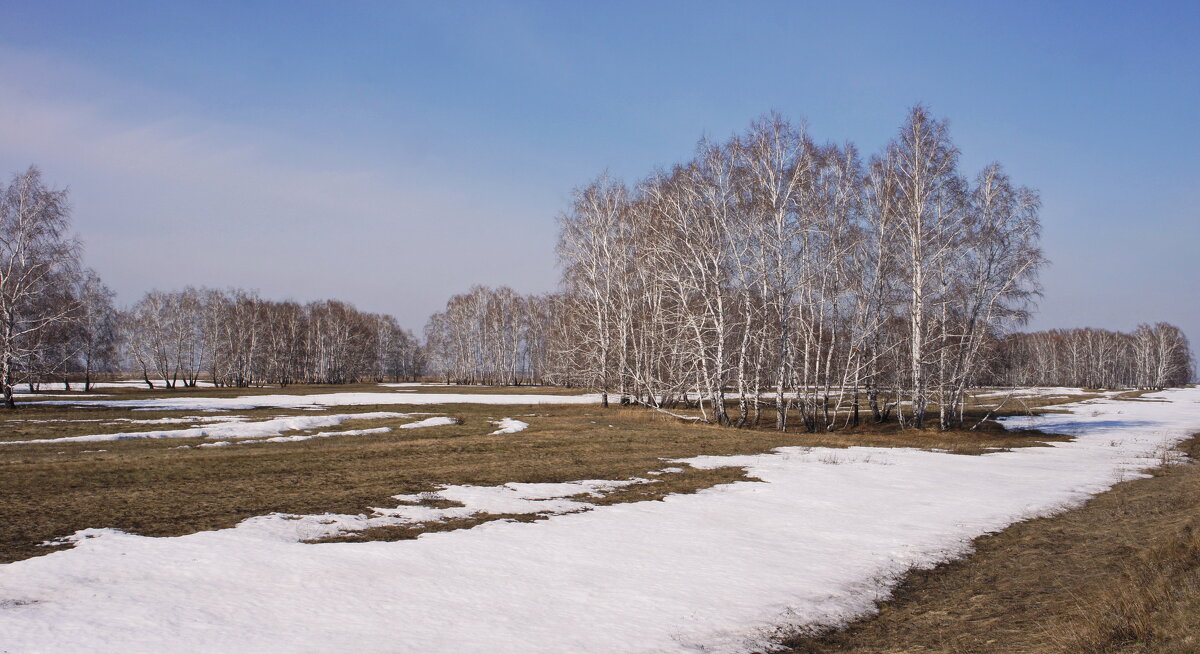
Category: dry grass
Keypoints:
(148, 487)
(1120, 575)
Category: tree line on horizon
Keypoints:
(786, 278)
(1152, 356)
(469, 343)
(58, 321)
(236, 338)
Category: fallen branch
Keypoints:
(673, 415)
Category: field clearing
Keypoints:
(152, 487)
(825, 525)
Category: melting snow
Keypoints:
(295, 439)
(511, 498)
(178, 421)
(234, 427)
(430, 422)
(508, 426)
(35, 396)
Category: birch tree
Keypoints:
(38, 260)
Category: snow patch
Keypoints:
(234, 428)
(178, 421)
(296, 439)
(33, 396)
(508, 426)
(430, 422)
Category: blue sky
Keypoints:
(392, 154)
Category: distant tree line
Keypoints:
(58, 322)
(1152, 357)
(490, 336)
(235, 338)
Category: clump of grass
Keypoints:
(1153, 602)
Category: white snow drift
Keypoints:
(816, 542)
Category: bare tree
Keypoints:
(97, 326)
(38, 261)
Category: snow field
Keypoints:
(34, 396)
(77, 387)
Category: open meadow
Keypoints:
(440, 506)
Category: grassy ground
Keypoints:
(1120, 575)
(150, 487)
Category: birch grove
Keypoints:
(794, 278)
(1151, 357)
(489, 336)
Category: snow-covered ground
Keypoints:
(823, 536)
(35, 396)
(1043, 391)
(400, 393)
(232, 427)
(321, 400)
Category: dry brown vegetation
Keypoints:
(1120, 575)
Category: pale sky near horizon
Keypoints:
(393, 154)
